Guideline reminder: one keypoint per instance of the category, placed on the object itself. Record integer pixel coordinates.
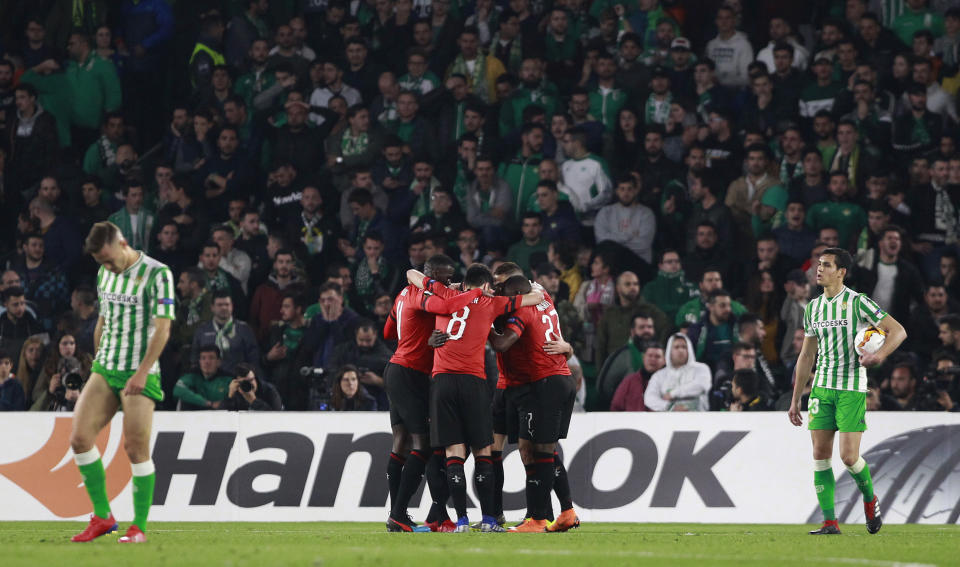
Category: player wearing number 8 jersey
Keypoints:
(838, 398)
(136, 309)
(459, 399)
(407, 379)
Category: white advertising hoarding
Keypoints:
(623, 467)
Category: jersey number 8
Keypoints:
(462, 324)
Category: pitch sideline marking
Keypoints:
(654, 555)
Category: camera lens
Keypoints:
(246, 385)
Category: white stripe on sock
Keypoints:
(142, 469)
(822, 465)
(857, 466)
(90, 456)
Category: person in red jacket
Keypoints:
(265, 306)
(629, 394)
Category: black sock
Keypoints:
(543, 471)
(497, 457)
(530, 490)
(485, 479)
(561, 485)
(394, 471)
(439, 491)
(409, 482)
(457, 482)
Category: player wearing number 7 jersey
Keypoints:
(539, 395)
(838, 398)
(459, 399)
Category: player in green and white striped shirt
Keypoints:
(838, 398)
(137, 306)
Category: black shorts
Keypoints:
(540, 411)
(409, 395)
(499, 410)
(460, 411)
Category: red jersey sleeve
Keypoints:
(503, 305)
(444, 306)
(390, 327)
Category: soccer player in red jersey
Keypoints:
(407, 380)
(539, 395)
(459, 398)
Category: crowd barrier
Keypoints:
(623, 467)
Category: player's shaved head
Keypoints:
(439, 267)
(516, 285)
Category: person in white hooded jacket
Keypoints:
(684, 384)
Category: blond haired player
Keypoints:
(137, 306)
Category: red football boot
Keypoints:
(97, 527)
(133, 535)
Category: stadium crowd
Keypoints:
(658, 166)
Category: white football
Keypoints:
(869, 340)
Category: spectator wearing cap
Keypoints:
(780, 30)
(656, 110)
(819, 93)
(680, 64)
(730, 50)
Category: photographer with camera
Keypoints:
(64, 373)
(940, 388)
(247, 392)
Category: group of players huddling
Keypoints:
(443, 418)
(441, 405)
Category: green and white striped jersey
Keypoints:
(129, 302)
(835, 321)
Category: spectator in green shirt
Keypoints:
(848, 217)
(207, 386)
(94, 89)
(531, 243)
(917, 16)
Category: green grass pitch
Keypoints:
(322, 544)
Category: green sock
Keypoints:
(143, 480)
(824, 483)
(95, 481)
(862, 478)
